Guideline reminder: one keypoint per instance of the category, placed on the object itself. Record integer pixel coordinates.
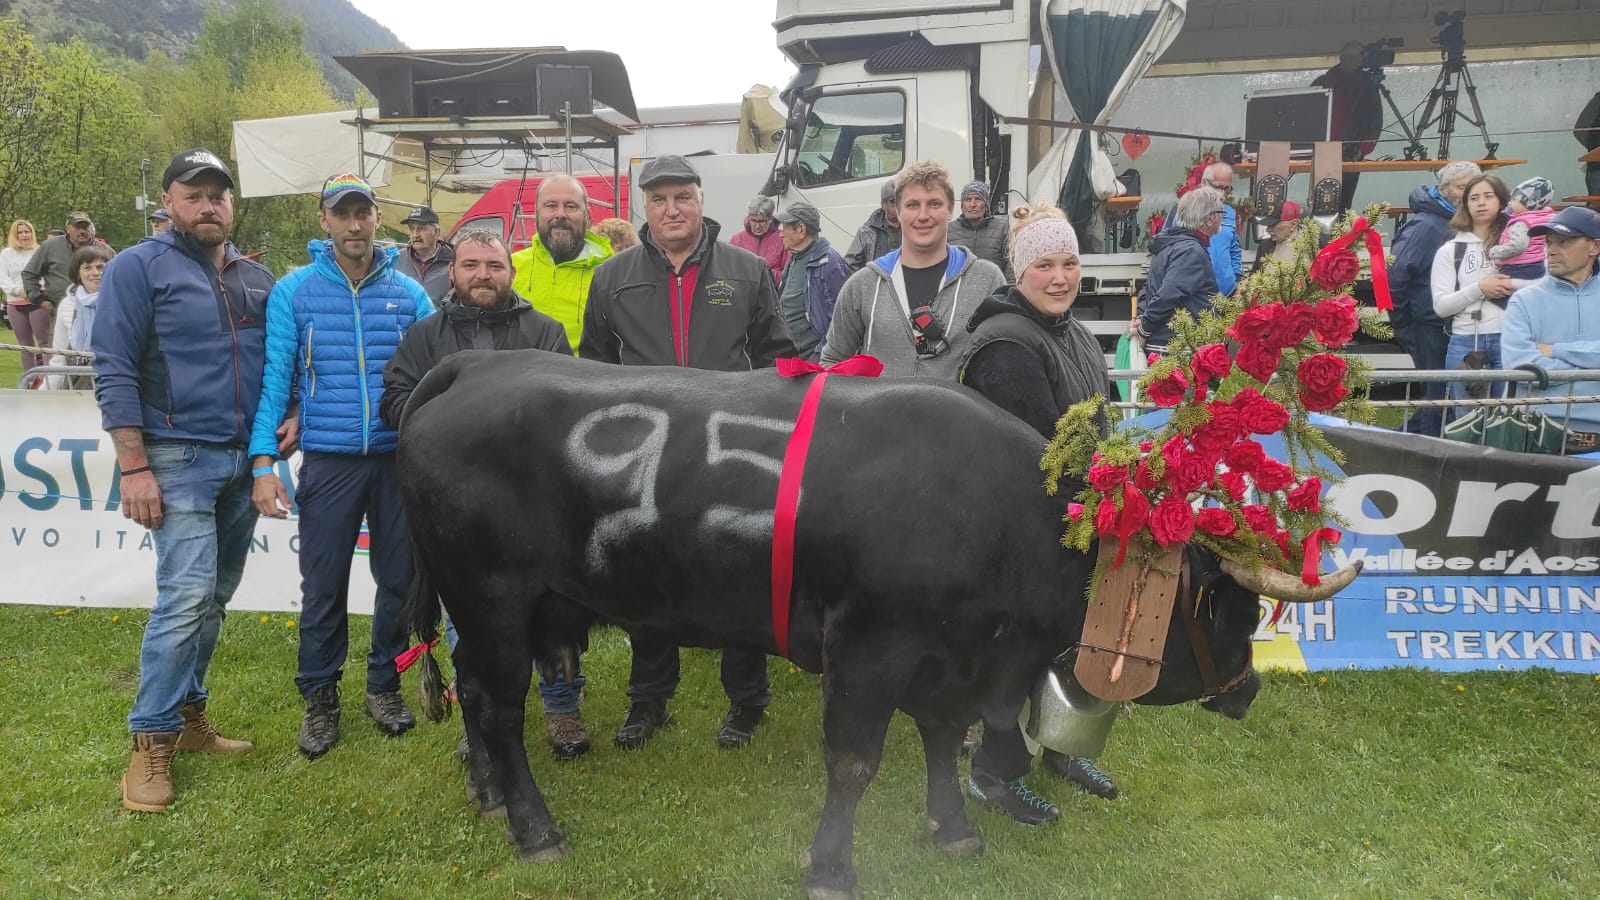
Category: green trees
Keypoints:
(78, 124)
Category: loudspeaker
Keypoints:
(508, 99)
(560, 85)
(397, 97)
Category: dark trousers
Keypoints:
(1428, 345)
(334, 493)
(654, 676)
(1003, 754)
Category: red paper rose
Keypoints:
(1321, 373)
(1291, 325)
(1282, 540)
(1335, 320)
(1259, 519)
(1105, 477)
(1307, 497)
(1105, 516)
(1234, 484)
(1172, 520)
(1168, 392)
(1272, 475)
(1245, 456)
(1217, 521)
(1332, 271)
(1254, 324)
(1321, 401)
(1135, 508)
(1191, 473)
(1217, 435)
(1212, 361)
(1144, 479)
(1172, 452)
(1263, 416)
(1259, 360)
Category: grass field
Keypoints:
(10, 360)
(1388, 784)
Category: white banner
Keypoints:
(64, 542)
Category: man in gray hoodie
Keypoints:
(910, 306)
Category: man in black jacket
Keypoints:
(680, 298)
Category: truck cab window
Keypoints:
(852, 136)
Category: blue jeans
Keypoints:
(201, 546)
(1462, 344)
(559, 698)
(335, 492)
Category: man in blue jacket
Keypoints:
(331, 327)
(178, 356)
(1417, 328)
(1227, 259)
(1182, 278)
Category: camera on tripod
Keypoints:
(1452, 37)
(1376, 55)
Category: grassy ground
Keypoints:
(10, 360)
(1349, 784)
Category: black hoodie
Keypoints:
(1031, 365)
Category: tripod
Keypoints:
(1414, 148)
(1443, 111)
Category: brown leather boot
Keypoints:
(200, 736)
(147, 784)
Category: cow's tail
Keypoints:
(422, 612)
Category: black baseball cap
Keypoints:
(1574, 221)
(190, 164)
(671, 168)
(422, 215)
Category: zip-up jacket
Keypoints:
(871, 317)
(768, 245)
(719, 311)
(1415, 245)
(517, 326)
(1567, 317)
(825, 274)
(1181, 279)
(178, 345)
(988, 237)
(327, 343)
(559, 290)
(435, 274)
(875, 239)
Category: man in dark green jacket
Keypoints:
(680, 298)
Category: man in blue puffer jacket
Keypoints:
(331, 327)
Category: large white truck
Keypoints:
(884, 83)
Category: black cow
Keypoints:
(929, 572)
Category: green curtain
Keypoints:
(1092, 49)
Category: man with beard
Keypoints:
(721, 311)
(331, 327)
(426, 259)
(482, 312)
(554, 272)
(178, 346)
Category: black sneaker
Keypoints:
(1082, 772)
(739, 725)
(390, 712)
(319, 730)
(644, 717)
(1013, 798)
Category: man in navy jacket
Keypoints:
(178, 349)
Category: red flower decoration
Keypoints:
(1168, 392)
(1105, 477)
(1260, 519)
(1214, 520)
(1191, 473)
(1263, 416)
(1105, 516)
(1259, 359)
(1234, 484)
(1273, 476)
(1172, 452)
(1216, 436)
(1322, 401)
(1254, 324)
(1212, 361)
(1144, 479)
(1291, 325)
(1335, 320)
(1307, 497)
(1172, 520)
(1245, 456)
(1321, 373)
(1332, 271)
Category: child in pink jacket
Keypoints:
(1519, 254)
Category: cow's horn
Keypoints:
(1283, 586)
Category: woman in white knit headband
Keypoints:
(1033, 359)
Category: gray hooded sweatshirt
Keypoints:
(871, 318)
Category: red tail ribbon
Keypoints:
(1359, 230)
(409, 658)
(794, 467)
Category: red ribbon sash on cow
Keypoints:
(1330, 256)
(794, 467)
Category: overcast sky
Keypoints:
(709, 51)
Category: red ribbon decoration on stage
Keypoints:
(1312, 547)
(794, 467)
(409, 658)
(1380, 269)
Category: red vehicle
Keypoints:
(508, 208)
